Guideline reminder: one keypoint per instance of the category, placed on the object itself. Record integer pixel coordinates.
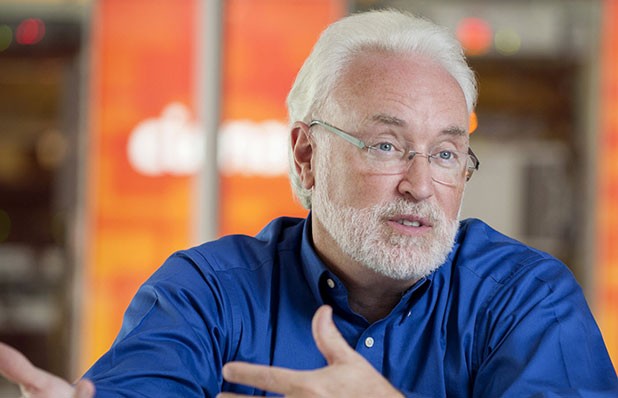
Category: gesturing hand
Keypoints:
(36, 383)
(348, 374)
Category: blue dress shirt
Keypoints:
(497, 319)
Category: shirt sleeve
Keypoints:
(538, 338)
(174, 338)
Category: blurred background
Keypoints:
(133, 128)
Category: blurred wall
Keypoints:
(41, 49)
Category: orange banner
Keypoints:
(266, 42)
(140, 161)
(607, 206)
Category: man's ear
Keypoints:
(302, 149)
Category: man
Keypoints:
(423, 305)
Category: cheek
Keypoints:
(364, 190)
(450, 201)
(350, 185)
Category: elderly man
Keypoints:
(381, 291)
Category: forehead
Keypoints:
(408, 92)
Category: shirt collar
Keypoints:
(313, 268)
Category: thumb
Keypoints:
(17, 368)
(32, 380)
(329, 340)
(84, 389)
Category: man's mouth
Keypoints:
(409, 223)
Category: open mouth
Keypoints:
(411, 221)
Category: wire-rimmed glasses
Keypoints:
(390, 156)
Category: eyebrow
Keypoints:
(390, 120)
(455, 131)
(395, 121)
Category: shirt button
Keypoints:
(330, 283)
(369, 342)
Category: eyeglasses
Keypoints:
(391, 156)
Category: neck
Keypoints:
(373, 307)
(370, 294)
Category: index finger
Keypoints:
(18, 369)
(267, 378)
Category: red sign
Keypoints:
(138, 194)
(266, 42)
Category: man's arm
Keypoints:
(175, 337)
(538, 338)
(36, 383)
(347, 375)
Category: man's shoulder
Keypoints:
(490, 254)
(249, 252)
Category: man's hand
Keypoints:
(348, 374)
(36, 383)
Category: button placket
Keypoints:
(371, 345)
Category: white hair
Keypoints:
(385, 30)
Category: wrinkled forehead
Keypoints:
(405, 92)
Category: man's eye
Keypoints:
(385, 146)
(445, 155)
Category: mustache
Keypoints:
(398, 207)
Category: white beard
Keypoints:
(365, 236)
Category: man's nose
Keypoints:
(416, 182)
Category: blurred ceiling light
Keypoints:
(6, 36)
(507, 41)
(474, 122)
(51, 149)
(30, 31)
(475, 35)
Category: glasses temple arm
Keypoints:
(340, 133)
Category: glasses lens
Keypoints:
(448, 167)
(386, 161)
